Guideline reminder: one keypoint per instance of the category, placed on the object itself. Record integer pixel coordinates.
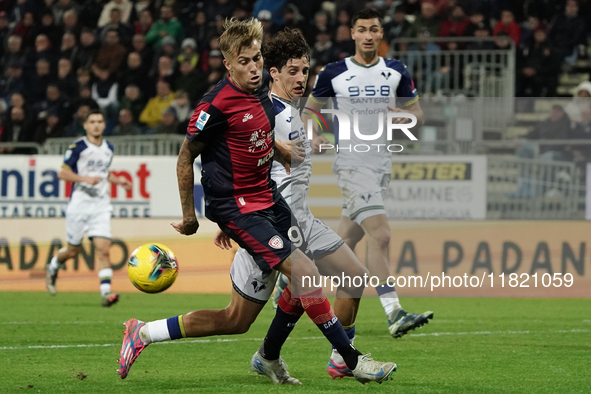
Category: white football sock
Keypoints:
(390, 302)
(105, 276)
(54, 265)
(155, 331)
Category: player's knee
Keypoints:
(380, 238)
(72, 251)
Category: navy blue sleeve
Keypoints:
(72, 155)
(406, 92)
(323, 84)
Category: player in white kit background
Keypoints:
(365, 84)
(86, 165)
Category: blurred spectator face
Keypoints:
(458, 13)
(181, 99)
(476, 18)
(481, 33)
(115, 16)
(3, 22)
(68, 41)
(87, 38)
(214, 42)
(132, 93)
(200, 18)
(70, 19)
(168, 49)
(572, 8)
(399, 15)
(83, 78)
(101, 74)
(138, 42)
(17, 114)
(323, 37)
(41, 43)
(14, 72)
(583, 93)
(344, 18)
(47, 19)
(164, 64)
(53, 93)
(42, 68)
(321, 20)
(166, 13)
(125, 117)
(186, 68)
(367, 34)
(540, 36)
(428, 10)
(28, 19)
(168, 118)
(52, 121)
(64, 67)
(502, 42)
(507, 17)
(533, 22)
(82, 112)
(85, 92)
(17, 100)
(112, 38)
(214, 62)
(556, 113)
(240, 13)
(14, 44)
(134, 60)
(163, 88)
(343, 33)
(146, 18)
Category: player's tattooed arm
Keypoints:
(185, 176)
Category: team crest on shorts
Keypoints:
(276, 242)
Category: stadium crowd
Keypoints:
(146, 63)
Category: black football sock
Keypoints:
(282, 325)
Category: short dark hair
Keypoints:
(366, 13)
(94, 112)
(283, 46)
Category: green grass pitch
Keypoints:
(68, 343)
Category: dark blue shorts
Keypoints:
(264, 234)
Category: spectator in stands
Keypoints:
(556, 127)
(90, 14)
(134, 102)
(66, 80)
(111, 55)
(140, 46)
(70, 24)
(183, 109)
(508, 25)
(528, 30)
(165, 70)
(25, 29)
(188, 52)
(293, 19)
(76, 127)
(43, 50)
(15, 53)
(427, 22)
(4, 31)
(480, 30)
(68, 49)
(323, 51)
(116, 24)
(166, 26)
(13, 81)
(134, 74)
(126, 125)
(48, 28)
(582, 131)
(54, 102)
(84, 77)
(567, 31)
(169, 49)
(169, 123)
(398, 27)
(537, 68)
(456, 24)
(104, 92)
(192, 81)
(124, 7)
(17, 128)
(477, 20)
(39, 81)
(320, 25)
(220, 8)
(141, 6)
(344, 46)
(266, 19)
(143, 25)
(580, 102)
(86, 50)
(152, 114)
(200, 30)
(49, 127)
(60, 8)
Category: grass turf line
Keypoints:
(534, 346)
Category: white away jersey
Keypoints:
(365, 91)
(289, 127)
(87, 159)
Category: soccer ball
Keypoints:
(152, 268)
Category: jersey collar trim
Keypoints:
(364, 65)
(284, 100)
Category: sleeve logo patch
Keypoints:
(202, 120)
(276, 242)
(68, 154)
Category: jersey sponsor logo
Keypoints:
(350, 78)
(202, 120)
(265, 159)
(276, 242)
(289, 119)
(386, 74)
(247, 117)
(259, 140)
(432, 171)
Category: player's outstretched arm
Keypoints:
(70, 176)
(185, 176)
(119, 180)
